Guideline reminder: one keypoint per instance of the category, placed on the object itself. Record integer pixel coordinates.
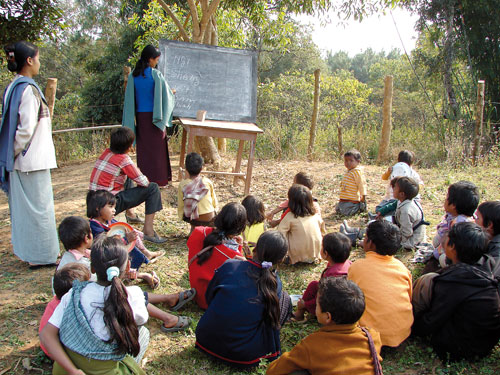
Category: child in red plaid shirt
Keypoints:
(110, 173)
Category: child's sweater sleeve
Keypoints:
(296, 359)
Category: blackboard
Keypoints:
(219, 80)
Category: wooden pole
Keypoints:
(478, 129)
(50, 94)
(126, 72)
(385, 137)
(314, 120)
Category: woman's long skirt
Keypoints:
(152, 150)
(33, 222)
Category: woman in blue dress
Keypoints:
(147, 110)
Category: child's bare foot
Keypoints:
(298, 316)
(152, 279)
(153, 256)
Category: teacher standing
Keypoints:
(147, 110)
(26, 156)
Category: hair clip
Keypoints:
(266, 264)
(11, 55)
(112, 272)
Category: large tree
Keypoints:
(28, 20)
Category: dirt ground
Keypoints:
(24, 293)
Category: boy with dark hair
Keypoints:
(76, 237)
(409, 215)
(197, 202)
(386, 283)
(460, 204)
(110, 173)
(459, 307)
(336, 248)
(62, 283)
(402, 168)
(340, 346)
(352, 197)
(488, 217)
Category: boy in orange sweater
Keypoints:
(341, 346)
(386, 283)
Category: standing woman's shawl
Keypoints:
(163, 107)
(8, 127)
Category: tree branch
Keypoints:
(194, 14)
(208, 14)
(174, 18)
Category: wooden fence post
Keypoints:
(126, 72)
(385, 137)
(50, 94)
(314, 120)
(478, 128)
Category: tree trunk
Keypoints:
(478, 129)
(448, 63)
(386, 120)
(50, 94)
(314, 120)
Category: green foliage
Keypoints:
(103, 94)
(29, 20)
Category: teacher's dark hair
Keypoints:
(18, 53)
(230, 221)
(149, 52)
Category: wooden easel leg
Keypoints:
(182, 155)
(237, 168)
(249, 167)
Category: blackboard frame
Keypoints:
(194, 71)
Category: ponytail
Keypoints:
(109, 258)
(231, 221)
(270, 249)
(119, 319)
(149, 52)
(267, 285)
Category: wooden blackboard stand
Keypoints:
(221, 129)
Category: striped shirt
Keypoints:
(111, 170)
(353, 185)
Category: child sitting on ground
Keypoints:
(101, 211)
(340, 346)
(386, 283)
(302, 226)
(197, 202)
(409, 216)
(335, 249)
(488, 217)
(301, 178)
(460, 204)
(401, 169)
(107, 343)
(352, 197)
(459, 307)
(246, 307)
(76, 237)
(210, 247)
(110, 173)
(255, 223)
(62, 283)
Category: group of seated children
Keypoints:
(233, 260)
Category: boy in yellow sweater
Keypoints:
(352, 197)
(386, 284)
(341, 346)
